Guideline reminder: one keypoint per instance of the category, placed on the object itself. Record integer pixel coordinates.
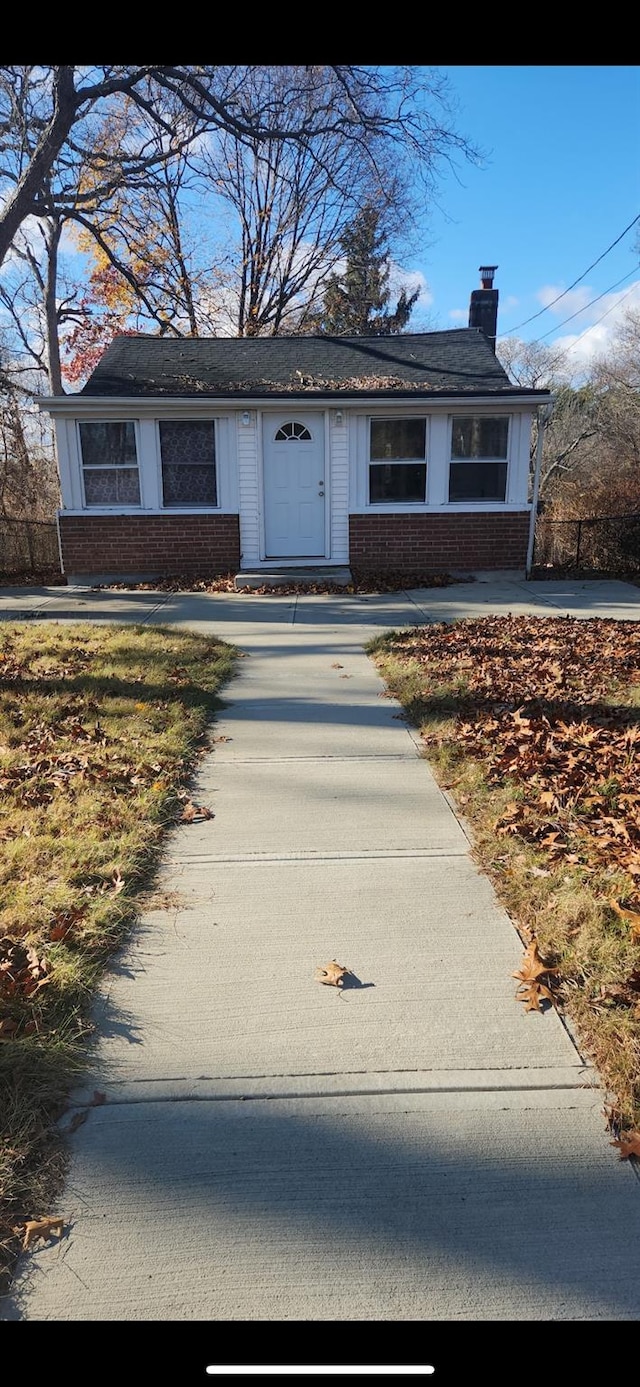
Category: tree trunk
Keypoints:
(51, 309)
(20, 203)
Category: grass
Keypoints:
(100, 731)
(531, 725)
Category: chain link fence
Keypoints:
(602, 544)
(28, 546)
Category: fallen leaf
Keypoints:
(532, 966)
(628, 1145)
(631, 917)
(531, 990)
(195, 811)
(63, 921)
(76, 1122)
(42, 1228)
(333, 974)
(533, 993)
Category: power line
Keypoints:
(567, 350)
(590, 305)
(576, 281)
(602, 317)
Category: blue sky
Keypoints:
(559, 182)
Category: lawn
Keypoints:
(101, 729)
(533, 726)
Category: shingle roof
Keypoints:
(435, 362)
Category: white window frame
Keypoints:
(149, 460)
(463, 503)
(189, 507)
(110, 506)
(360, 435)
(397, 462)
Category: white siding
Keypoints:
(149, 460)
(437, 460)
(518, 481)
(338, 435)
(68, 464)
(247, 442)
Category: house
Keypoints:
(209, 455)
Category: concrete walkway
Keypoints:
(416, 1148)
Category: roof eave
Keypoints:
(83, 404)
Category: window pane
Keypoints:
(479, 438)
(401, 481)
(111, 486)
(291, 432)
(190, 485)
(477, 481)
(398, 438)
(188, 462)
(187, 440)
(108, 444)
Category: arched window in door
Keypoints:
(292, 431)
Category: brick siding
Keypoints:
(437, 543)
(154, 544)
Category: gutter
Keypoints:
(134, 405)
(543, 419)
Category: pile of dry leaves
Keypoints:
(548, 711)
(363, 582)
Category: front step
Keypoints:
(283, 577)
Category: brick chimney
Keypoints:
(483, 306)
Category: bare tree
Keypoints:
(288, 214)
(46, 123)
(144, 262)
(534, 365)
(591, 457)
(291, 203)
(28, 475)
(35, 309)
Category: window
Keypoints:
(292, 431)
(188, 451)
(397, 466)
(110, 464)
(478, 469)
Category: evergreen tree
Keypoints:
(356, 301)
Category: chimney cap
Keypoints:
(486, 273)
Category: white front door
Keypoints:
(294, 489)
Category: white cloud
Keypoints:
(410, 280)
(510, 302)
(459, 315)
(591, 341)
(572, 301)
